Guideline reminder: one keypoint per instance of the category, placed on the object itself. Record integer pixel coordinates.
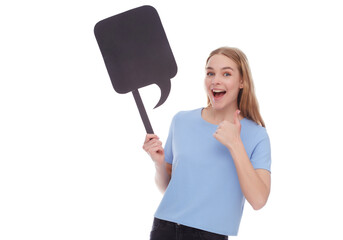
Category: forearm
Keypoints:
(162, 177)
(254, 189)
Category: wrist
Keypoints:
(159, 165)
(236, 144)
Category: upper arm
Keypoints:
(261, 155)
(168, 147)
(169, 169)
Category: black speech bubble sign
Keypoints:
(136, 52)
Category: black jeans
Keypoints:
(165, 230)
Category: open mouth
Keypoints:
(218, 93)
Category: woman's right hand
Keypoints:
(153, 146)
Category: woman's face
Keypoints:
(222, 82)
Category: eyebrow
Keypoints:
(222, 68)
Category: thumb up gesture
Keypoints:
(229, 133)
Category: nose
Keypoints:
(215, 80)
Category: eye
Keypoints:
(210, 74)
(227, 74)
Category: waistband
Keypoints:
(158, 221)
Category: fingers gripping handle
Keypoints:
(142, 111)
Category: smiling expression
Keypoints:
(222, 82)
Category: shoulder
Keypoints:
(186, 118)
(254, 130)
(187, 114)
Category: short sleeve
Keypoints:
(261, 155)
(168, 147)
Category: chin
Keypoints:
(217, 106)
(221, 105)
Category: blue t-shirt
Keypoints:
(204, 190)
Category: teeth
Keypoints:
(217, 91)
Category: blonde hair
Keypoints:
(246, 100)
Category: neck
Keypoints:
(219, 115)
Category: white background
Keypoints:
(72, 164)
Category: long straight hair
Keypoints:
(246, 100)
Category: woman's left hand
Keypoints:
(229, 133)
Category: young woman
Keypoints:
(214, 157)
